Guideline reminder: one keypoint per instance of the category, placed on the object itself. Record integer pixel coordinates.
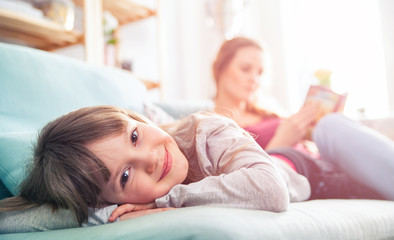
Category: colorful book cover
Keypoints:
(329, 100)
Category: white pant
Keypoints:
(365, 154)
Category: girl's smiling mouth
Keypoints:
(167, 164)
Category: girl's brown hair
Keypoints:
(226, 53)
(64, 173)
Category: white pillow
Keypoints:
(156, 114)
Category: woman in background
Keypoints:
(367, 156)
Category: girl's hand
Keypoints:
(295, 128)
(128, 210)
(140, 213)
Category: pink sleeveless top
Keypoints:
(264, 130)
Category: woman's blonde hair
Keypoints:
(64, 173)
(223, 58)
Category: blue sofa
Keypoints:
(37, 86)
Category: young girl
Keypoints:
(100, 156)
(364, 154)
(104, 156)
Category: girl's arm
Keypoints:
(239, 173)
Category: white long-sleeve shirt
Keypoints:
(238, 171)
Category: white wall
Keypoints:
(387, 10)
(189, 45)
(344, 37)
(300, 37)
(177, 47)
(184, 56)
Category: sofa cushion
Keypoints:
(382, 125)
(4, 192)
(15, 153)
(317, 219)
(38, 86)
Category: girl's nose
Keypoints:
(153, 152)
(150, 167)
(150, 160)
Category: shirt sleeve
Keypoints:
(98, 216)
(239, 172)
(41, 218)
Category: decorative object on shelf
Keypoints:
(58, 11)
(110, 27)
(127, 65)
(21, 7)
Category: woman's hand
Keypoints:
(128, 211)
(295, 128)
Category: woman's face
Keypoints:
(145, 163)
(240, 79)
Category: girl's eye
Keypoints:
(125, 177)
(134, 136)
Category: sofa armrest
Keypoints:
(382, 125)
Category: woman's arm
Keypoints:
(295, 128)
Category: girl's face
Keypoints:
(240, 79)
(145, 163)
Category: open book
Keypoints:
(329, 100)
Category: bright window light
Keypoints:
(345, 38)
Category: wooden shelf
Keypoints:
(47, 35)
(35, 32)
(125, 11)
